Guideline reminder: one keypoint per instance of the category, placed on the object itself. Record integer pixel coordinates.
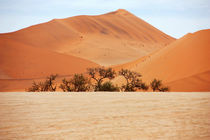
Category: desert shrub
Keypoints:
(164, 89)
(34, 88)
(99, 74)
(66, 85)
(141, 85)
(133, 81)
(157, 85)
(80, 83)
(108, 86)
(77, 83)
(47, 85)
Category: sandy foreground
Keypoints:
(100, 116)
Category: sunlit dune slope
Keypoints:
(19, 61)
(185, 59)
(112, 38)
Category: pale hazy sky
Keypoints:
(174, 17)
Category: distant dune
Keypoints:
(112, 38)
(184, 64)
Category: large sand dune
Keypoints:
(66, 46)
(112, 38)
(184, 63)
(102, 116)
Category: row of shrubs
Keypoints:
(98, 79)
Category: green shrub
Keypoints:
(47, 85)
(133, 81)
(66, 85)
(108, 86)
(77, 84)
(99, 74)
(157, 85)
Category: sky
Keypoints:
(174, 17)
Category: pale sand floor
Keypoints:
(83, 116)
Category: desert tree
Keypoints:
(80, 83)
(99, 74)
(77, 83)
(66, 85)
(133, 81)
(34, 88)
(164, 89)
(157, 85)
(47, 85)
(108, 86)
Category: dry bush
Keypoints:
(99, 74)
(133, 81)
(157, 85)
(108, 86)
(47, 86)
(77, 83)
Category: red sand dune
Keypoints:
(112, 38)
(184, 64)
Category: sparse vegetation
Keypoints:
(99, 74)
(78, 83)
(34, 88)
(99, 80)
(66, 85)
(108, 86)
(47, 85)
(164, 89)
(133, 81)
(157, 85)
